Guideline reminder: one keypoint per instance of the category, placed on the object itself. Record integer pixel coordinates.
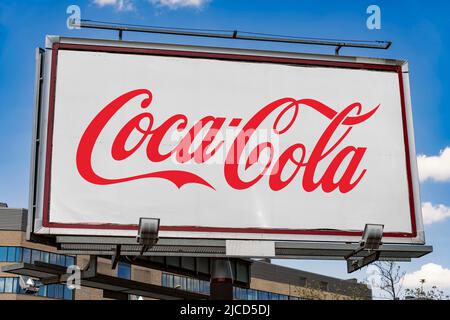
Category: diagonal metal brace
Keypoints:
(370, 242)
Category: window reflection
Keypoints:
(11, 254)
(201, 286)
(35, 256)
(54, 291)
(124, 270)
(26, 255)
(3, 253)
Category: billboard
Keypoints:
(223, 143)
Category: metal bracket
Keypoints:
(29, 285)
(148, 233)
(115, 257)
(356, 264)
(338, 49)
(370, 242)
(90, 270)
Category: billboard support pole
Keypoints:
(221, 287)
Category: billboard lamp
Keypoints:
(371, 241)
(29, 285)
(147, 233)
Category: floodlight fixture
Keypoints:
(372, 235)
(29, 285)
(148, 233)
(370, 242)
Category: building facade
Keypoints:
(166, 277)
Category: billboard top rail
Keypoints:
(232, 34)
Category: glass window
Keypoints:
(53, 258)
(242, 272)
(56, 291)
(196, 285)
(61, 260)
(263, 295)
(246, 294)
(190, 284)
(124, 270)
(60, 291)
(26, 255)
(67, 293)
(70, 261)
(176, 282)
(51, 291)
(19, 254)
(183, 283)
(35, 256)
(252, 295)
(42, 291)
(11, 254)
(45, 257)
(236, 292)
(9, 285)
(2, 285)
(16, 287)
(203, 286)
(3, 254)
(170, 280)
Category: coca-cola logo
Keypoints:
(346, 158)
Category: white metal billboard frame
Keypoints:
(43, 66)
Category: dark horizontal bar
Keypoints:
(235, 35)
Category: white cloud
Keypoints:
(434, 213)
(435, 168)
(120, 5)
(175, 4)
(434, 275)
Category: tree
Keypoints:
(390, 278)
(420, 294)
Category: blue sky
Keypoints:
(419, 31)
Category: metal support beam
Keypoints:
(221, 287)
(115, 258)
(216, 248)
(356, 264)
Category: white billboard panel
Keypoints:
(221, 143)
